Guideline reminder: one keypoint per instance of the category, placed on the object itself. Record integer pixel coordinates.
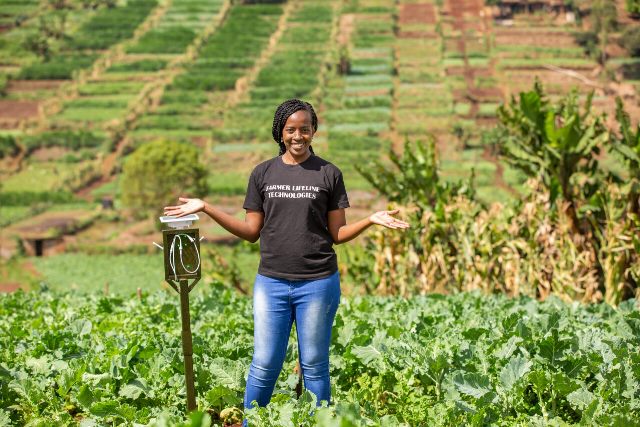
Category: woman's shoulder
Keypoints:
(261, 167)
(327, 166)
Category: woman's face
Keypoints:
(298, 133)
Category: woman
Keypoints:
(295, 204)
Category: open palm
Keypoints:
(188, 207)
(386, 219)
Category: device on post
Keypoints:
(181, 248)
(182, 258)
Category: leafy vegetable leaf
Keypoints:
(472, 384)
(513, 371)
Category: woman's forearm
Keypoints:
(233, 225)
(351, 231)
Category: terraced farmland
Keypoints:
(378, 73)
(84, 84)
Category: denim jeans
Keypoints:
(277, 303)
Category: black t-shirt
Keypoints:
(295, 243)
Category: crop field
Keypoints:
(434, 360)
(506, 135)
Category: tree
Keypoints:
(604, 17)
(157, 173)
(39, 45)
(630, 40)
(633, 7)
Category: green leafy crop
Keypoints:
(466, 359)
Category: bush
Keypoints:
(630, 40)
(633, 7)
(26, 198)
(588, 40)
(65, 138)
(59, 67)
(8, 146)
(157, 173)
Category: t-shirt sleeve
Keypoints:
(338, 198)
(253, 199)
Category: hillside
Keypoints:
(85, 83)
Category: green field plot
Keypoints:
(112, 25)
(177, 28)
(501, 350)
(102, 29)
(191, 13)
(99, 101)
(59, 67)
(425, 96)
(11, 214)
(18, 18)
(69, 139)
(524, 62)
(41, 177)
(517, 51)
(488, 110)
(229, 52)
(359, 117)
(225, 56)
(164, 40)
(282, 78)
(89, 115)
(142, 66)
(90, 273)
(230, 183)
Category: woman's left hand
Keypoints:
(386, 219)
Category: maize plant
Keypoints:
(576, 234)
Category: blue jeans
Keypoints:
(277, 303)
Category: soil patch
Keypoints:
(49, 153)
(417, 13)
(346, 28)
(479, 94)
(529, 38)
(32, 85)
(18, 110)
(9, 287)
(417, 35)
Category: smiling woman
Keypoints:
(295, 205)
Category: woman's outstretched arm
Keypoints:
(249, 229)
(343, 232)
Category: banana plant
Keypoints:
(628, 146)
(413, 177)
(556, 143)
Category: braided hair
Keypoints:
(286, 109)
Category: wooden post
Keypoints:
(187, 345)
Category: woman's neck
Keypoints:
(294, 160)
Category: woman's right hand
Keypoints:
(189, 206)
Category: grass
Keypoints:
(40, 176)
(90, 273)
(164, 40)
(110, 88)
(11, 214)
(144, 65)
(83, 114)
(59, 67)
